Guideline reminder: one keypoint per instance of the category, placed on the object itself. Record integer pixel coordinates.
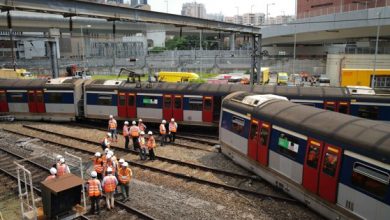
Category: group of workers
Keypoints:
(110, 173)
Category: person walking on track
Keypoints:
(126, 134)
(98, 165)
(94, 189)
(134, 132)
(112, 125)
(109, 185)
(151, 145)
(124, 176)
(163, 132)
(172, 130)
(142, 143)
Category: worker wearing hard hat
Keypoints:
(110, 164)
(106, 141)
(126, 133)
(62, 168)
(109, 185)
(58, 157)
(134, 132)
(141, 125)
(98, 165)
(94, 189)
(124, 176)
(151, 145)
(172, 130)
(112, 125)
(142, 143)
(53, 172)
(163, 132)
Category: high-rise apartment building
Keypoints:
(133, 3)
(194, 9)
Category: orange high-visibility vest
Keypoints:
(109, 184)
(124, 175)
(61, 169)
(50, 177)
(112, 124)
(125, 130)
(93, 187)
(151, 142)
(172, 127)
(134, 131)
(109, 164)
(97, 164)
(104, 159)
(163, 130)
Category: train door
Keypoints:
(262, 153)
(3, 101)
(31, 101)
(330, 105)
(131, 105)
(122, 108)
(207, 112)
(167, 107)
(178, 108)
(343, 107)
(329, 173)
(253, 140)
(40, 101)
(311, 168)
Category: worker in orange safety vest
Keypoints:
(141, 125)
(143, 147)
(94, 189)
(112, 125)
(151, 145)
(163, 132)
(124, 176)
(62, 168)
(109, 185)
(134, 133)
(126, 133)
(98, 165)
(172, 130)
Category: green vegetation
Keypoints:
(191, 41)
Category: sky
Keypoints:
(229, 7)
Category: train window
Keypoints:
(254, 128)
(167, 102)
(264, 136)
(195, 104)
(344, 108)
(330, 163)
(130, 100)
(313, 156)
(288, 145)
(370, 179)
(150, 101)
(208, 104)
(177, 102)
(122, 100)
(370, 112)
(16, 97)
(104, 100)
(54, 97)
(39, 97)
(238, 125)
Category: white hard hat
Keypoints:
(140, 119)
(111, 152)
(53, 171)
(163, 121)
(59, 157)
(133, 122)
(172, 119)
(142, 133)
(111, 116)
(126, 122)
(94, 174)
(62, 160)
(106, 150)
(150, 132)
(109, 156)
(125, 164)
(109, 170)
(98, 154)
(121, 160)
(109, 134)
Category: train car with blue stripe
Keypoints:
(337, 164)
(41, 99)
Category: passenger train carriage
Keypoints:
(194, 104)
(339, 165)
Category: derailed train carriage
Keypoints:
(339, 165)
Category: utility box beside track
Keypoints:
(60, 196)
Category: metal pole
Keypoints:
(83, 45)
(114, 57)
(295, 46)
(376, 50)
(9, 21)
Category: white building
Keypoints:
(194, 9)
(216, 17)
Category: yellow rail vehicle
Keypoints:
(14, 74)
(176, 76)
(363, 77)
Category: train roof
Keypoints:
(363, 136)
(22, 83)
(62, 83)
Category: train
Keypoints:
(336, 164)
(69, 99)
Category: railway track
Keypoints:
(40, 171)
(190, 172)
